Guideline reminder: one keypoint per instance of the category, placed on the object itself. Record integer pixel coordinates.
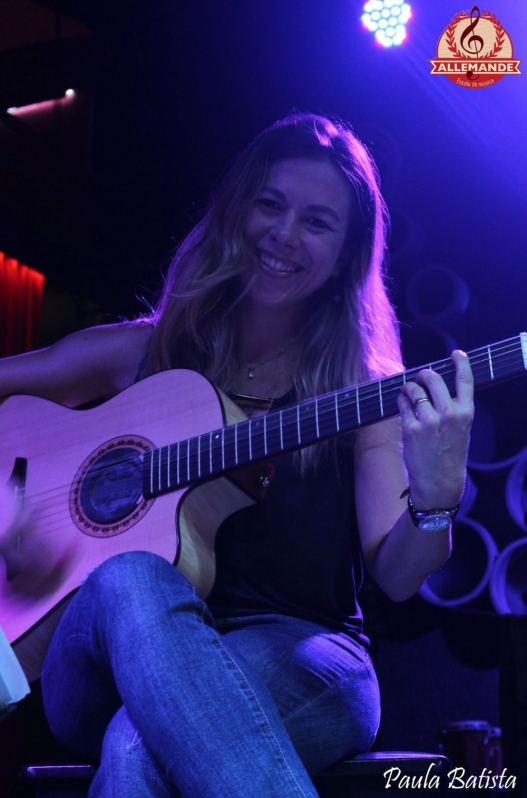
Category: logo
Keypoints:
(475, 51)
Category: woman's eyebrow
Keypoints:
(312, 208)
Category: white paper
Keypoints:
(13, 683)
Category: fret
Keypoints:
(348, 407)
(311, 420)
(216, 453)
(243, 442)
(273, 433)
(327, 418)
(203, 459)
(308, 426)
(290, 416)
(368, 400)
(193, 458)
(177, 458)
(229, 442)
(258, 438)
(298, 424)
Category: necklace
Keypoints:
(251, 369)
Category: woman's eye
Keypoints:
(269, 204)
(320, 224)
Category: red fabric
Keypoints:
(21, 291)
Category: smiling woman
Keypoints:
(277, 295)
(292, 248)
(296, 229)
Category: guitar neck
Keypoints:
(297, 426)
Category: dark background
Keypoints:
(96, 192)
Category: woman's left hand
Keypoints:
(436, 435)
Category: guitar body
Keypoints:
(75, 520)
(84, 498)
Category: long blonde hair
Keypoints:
(344, 342)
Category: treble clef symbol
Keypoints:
(475, 43)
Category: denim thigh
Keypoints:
(322, 682)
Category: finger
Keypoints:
(435, 387)
(464, 378)
(415, 393)
(409, 407)
(406, 407)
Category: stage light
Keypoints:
(41, 106)
(387, 19)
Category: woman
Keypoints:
(276, 295)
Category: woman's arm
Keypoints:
(427, 453)
(91, 364)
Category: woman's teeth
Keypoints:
(277, 265)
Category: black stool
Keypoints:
(363, 775)
(372, 774)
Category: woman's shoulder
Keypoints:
(94, 363)
(118, 349)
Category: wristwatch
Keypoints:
(432, 520)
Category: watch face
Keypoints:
(434, 523)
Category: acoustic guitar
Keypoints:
(158, 468)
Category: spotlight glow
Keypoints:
(387, 19)
(42, 106)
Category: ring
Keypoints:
(421, 399)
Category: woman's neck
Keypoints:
(263, 332)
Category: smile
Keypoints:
(277, 266)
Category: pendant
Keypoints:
(250, 374)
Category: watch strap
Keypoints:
(421, 517)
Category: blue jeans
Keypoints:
(191, 708)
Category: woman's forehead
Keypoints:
(311, 178)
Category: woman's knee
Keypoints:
(132, 575)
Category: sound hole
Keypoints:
(112, 486)
(106, 495)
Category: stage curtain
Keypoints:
(21, 291)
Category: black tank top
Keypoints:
(296, 553)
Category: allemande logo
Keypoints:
(475, 51)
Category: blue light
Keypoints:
(387, 19)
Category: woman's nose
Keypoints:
(285, 231)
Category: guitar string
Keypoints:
(367, 403)
(63, 516)
(292, 424)
(58, 512)
(288, 426)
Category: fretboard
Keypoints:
(296, 426)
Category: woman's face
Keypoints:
(295, 231)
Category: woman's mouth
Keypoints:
(276, 265)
